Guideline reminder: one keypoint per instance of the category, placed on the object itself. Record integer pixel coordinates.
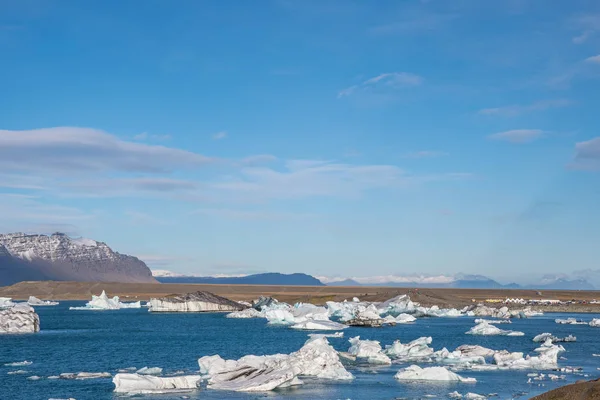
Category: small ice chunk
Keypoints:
(34, 378)
(140, 384)
(18, 364)
(150, 371)
(474, 396)
(17, 372)
(455, 395)
(416, 373)
(484, 328)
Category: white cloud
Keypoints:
(594, 59)
(146, 136)
(74, 150)
(384, 82)
(585, 35)
(258, 159)
(425, 154)
(587, 25)
(220, 135)
(514, 110)
(587, 155)
(518, 135)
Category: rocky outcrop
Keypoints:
(194, 302)
(59, 257)
(20, 318)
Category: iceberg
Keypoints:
(474, 396)
(367, 351)
(468, 350)
(18, 364)
(417, 350)
(149, 371)
(547, 358)
(20, 318)
(435, 311)
(483, 328)
(283, 314)
(570, 321)
(327, 335)
(140, 384)
(397, 305)
(317, 325)
(493, 321)
(6, 302)
(441, 374)
(103, 302)
(84, 375)
(542, 337)
(366, 316)
(456, 357)
(595, 323)
(194, 302)
(405, 319)
(315, 359)
(247, 313)
(34, 301)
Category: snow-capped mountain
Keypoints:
(59, 257)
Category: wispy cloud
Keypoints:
(252, 215)
(419, 23)
(593, 59)
(385, 81)
(258, 159)
(515, 110)
(587, 24)
(147, 136)
(518, 135)
(425, 154)
(219, 135)
(587, 155)
(73, 150)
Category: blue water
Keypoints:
(105, 341)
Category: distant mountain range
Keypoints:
(61, 258)
(272, 278)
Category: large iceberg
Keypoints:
(194, 302)
(416, 373)
(247, 313)
(103, 302)
(435, 311)
(547, 358)
(20, 318)
(283, 314)
(317, 325)
(366, 351)
(34, 301)
(397, 305)
(417, 350)
(139, 384)
(483, 328)
(366, 316)
(595, 323)
(315, 359)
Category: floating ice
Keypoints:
(20, 318)
(247, 313)
(149, 371)
(327, 335)
(542, 337)
(570, 321)
(34, 378)
(435, 311)
(416, 373)
(18, 364)
(547, 358)
(6, 302)
(474, 351)
(595, 323)
(17, 372)
(84, 375)
(397, 305)
(493, 321)
(474, 396)
(313, 325)
(367, 351)
(455, 395)
(34, 301)
(261, 373)
(483, 328)
(417, 350)
(103, 302)
(456, 357)
(140, 384)
(365, 316)
(194, 302)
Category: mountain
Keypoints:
(272, 278)
(565, 284)
(61, 258)
(345, 282)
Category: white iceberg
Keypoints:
(261, 373)
(405, 319)
(417, 350)
(140, 384)
(440, 374)
(6, 302)
(435, 311)
(247, 313)
(18, 364)
(367, 351)
(84, 375)
(34, 301)
(20, 318)
(547, 358)
(483, 328)
(542, 337)
(456, 357)
(366, 316)
(397, 305)
(475, 396)
(468, 350)
(327, 335)
(570, 321)
(493, 321)
(595, 323)
(312, 325)
(149, 371)
(103, 302)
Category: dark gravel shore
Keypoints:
(581, 390)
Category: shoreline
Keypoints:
(442, 297)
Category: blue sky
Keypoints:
(337, 138)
